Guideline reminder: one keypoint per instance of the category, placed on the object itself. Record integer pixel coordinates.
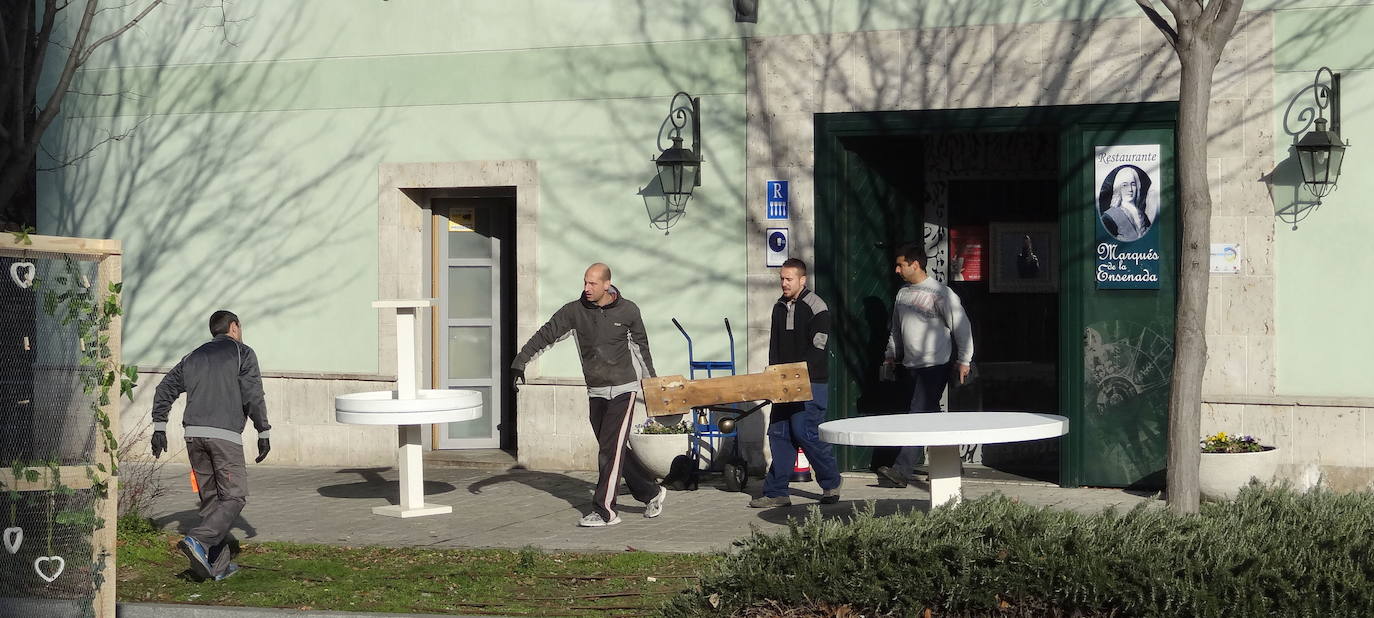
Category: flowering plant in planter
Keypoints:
(653, 427)
(1222, 442)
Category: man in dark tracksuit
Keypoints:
(800, 332)
(223, 388)
(615, 353)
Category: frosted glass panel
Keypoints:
(469, 292)
(469, 232)
(478, 427)
(469, 352)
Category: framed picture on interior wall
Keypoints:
(1025, 257)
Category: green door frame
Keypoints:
(1071, 122)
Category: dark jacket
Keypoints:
(223, 389)
(801, 332)
(609, 339)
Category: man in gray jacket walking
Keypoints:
(223, 389)
(615, 356)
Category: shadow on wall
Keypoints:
(206, 216)
(935, 69)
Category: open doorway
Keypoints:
(472, 275)
(1012, 194)
(986, 207)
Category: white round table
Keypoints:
(428, 407)
(943, 433)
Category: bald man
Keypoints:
(615, 356)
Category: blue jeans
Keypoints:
(793, 425)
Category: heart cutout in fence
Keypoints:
(13, 538)
(26, 280)
(57, 560)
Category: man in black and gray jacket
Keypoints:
(223, 389)
(615, 356)
(800, 332)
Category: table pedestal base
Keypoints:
(946, 472)
(396, 510)
(411, 463)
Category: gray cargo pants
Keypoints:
(223, 478)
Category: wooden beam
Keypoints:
(72, 476)
(676, 395)
(61, 244)
(103, 539)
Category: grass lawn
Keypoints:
(487, 581)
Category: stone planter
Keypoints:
(1221, 475)
(657, 450)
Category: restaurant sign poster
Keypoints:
(1128, 204)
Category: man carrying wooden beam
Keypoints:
(615, 353)
(800, 332)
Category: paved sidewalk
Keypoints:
(518, 508)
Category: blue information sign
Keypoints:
(777, 199)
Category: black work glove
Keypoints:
(159, 443)
(264, 447)
(517, 377)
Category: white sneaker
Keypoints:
(594, 520)
(654, 507)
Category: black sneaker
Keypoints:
(887, 477)
(832, 495)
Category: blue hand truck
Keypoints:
(714, 423)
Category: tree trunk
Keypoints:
(1190, 341)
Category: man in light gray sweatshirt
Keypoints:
(928, 324)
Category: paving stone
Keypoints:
(519, 508)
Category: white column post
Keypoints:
(410, 455)
(945, 475)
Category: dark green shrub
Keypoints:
(1272, 552)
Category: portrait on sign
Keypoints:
(1125, 205)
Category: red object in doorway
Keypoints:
(966, 247)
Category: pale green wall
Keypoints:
(253, 184)
(251, 180)
(1323, 299)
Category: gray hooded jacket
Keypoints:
(610, 339)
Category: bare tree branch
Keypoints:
(61, 163)
(116, 8)
(64, 80)
(1170, 34)
(224, 22)
(1223, 18)
(35, 65)
(113, 35)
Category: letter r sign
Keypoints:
(777, 198)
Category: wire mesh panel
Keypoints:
(59, 359)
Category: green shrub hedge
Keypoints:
(1272, 552)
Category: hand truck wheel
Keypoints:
(736, 476)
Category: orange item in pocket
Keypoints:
(195, 485)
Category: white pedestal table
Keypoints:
(409, 409)
(942, 433)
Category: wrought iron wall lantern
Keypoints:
(679, 169)
(1321, 151)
